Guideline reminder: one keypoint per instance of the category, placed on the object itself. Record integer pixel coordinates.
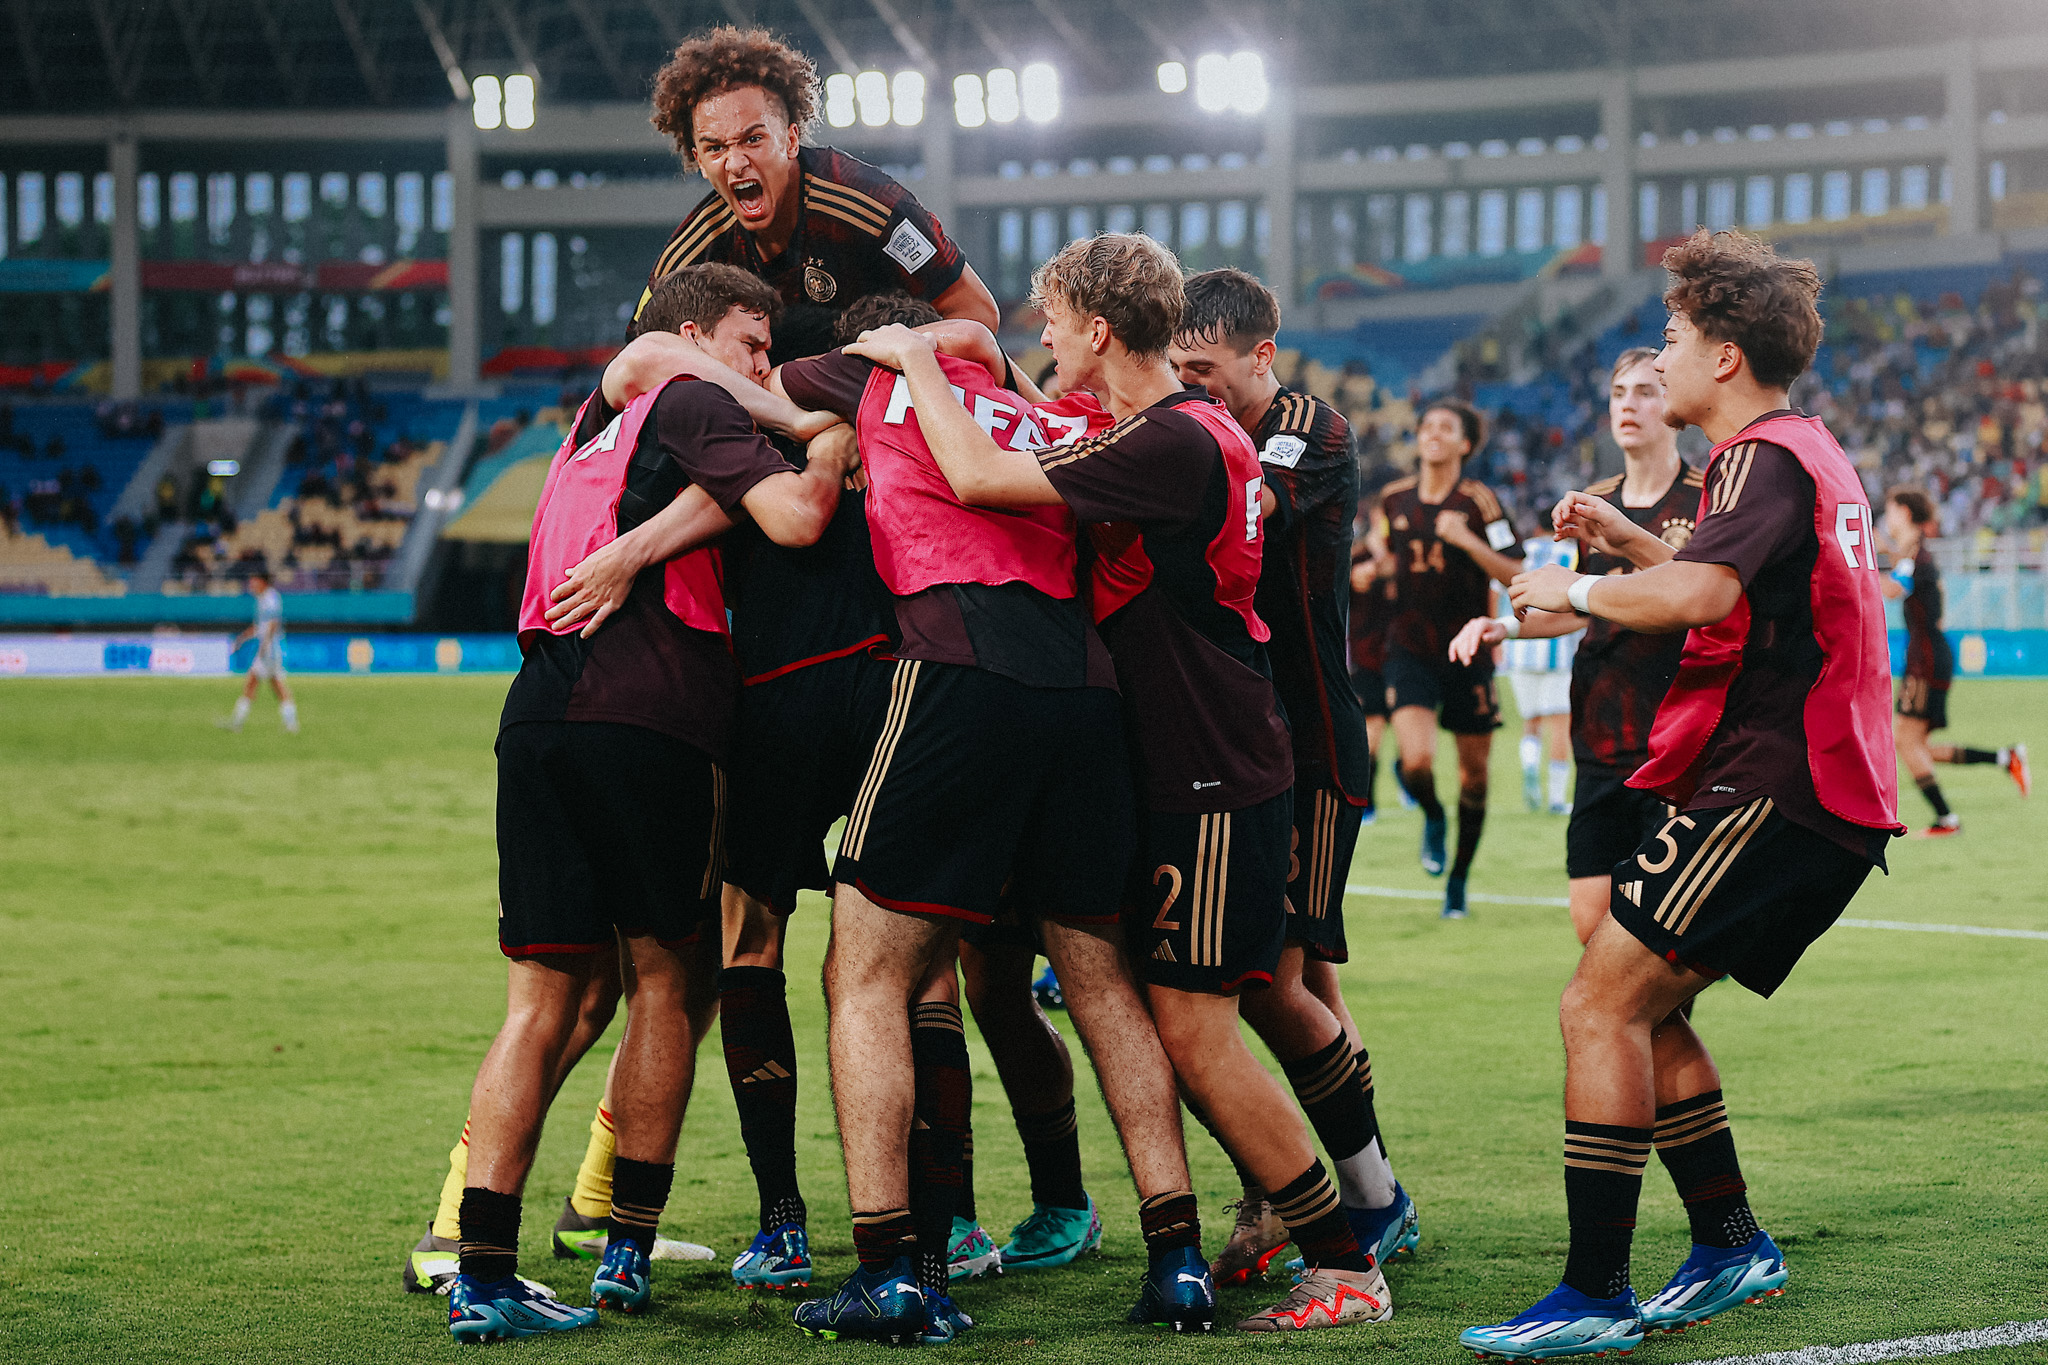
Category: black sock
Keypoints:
(1170, 1221)
(1325, 1084)
(879, 1238)
(1420, 784)
(1698, 1148)
(938, 1051)
(639, 1194)
(1931, 789)
(490, 1235)
(1244, 1173)
(1052, 1150)
(760, 1061)
(1603, 1181)
(1315, 1219)
(1976, 756)
(1372, 1113)
(1471, 822)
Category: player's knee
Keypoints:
(1472, 790)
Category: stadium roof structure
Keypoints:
(89, 56)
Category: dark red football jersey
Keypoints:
(1619, 676)
(1928, 657)
(1438, 587)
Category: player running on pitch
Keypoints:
(268, 632)
(1915, 582)
(1774, 746)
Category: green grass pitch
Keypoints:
(248, 979)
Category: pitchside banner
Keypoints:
(208, 655)
(72, 655)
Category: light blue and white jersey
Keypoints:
(1545, 656)
(270, 615)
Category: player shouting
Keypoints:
(1772, 744)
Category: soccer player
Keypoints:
(268, 632)
(1450, 540)
(823, 228)
(1619, 676)
(1173, 494)
(1772, 744)
(611, 801)
(1540, 672)
(1225, 344)
(1930, 666)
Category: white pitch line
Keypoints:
(1906, 1348)
(1402, 893)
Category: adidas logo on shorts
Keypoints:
(1164, 952)
(1633, 890)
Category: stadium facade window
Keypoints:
(1045, 235)
(1913, 187)
(259, 193)
(511, 273)
(70, 199)
(1758, 195)
(1493, 222)
(1194, 226)
(335, 333)
(1121, 218)
(1080, 222)
(1720, 204)
(409, 208)
(444, 202)
(1596, 215)
(1159, 223)
(1688, 206)
(544, 268)
(1262, 232)
(1567, 217)
(1947, 185)
(1382, 234)
(1416, 225)
(1343, 235)
(1994, 179)
(1646, 211)
(512, 180)
(1875, 200)
(1834, 196)
(220, 207)
(371, 193)
(333, 189)
(103, 198)
(297, 309)
(1010, 252)
(1799, 198)
(28, 208)
(298, 197)
(149, 204)
(1529, 219)
(1457, 225)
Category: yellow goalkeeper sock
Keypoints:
(448, 1217)
(593, 1196)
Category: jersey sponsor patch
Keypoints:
(909, 248)
(1499, 534)
(1285, 451)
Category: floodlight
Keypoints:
(1040, 88)
(839, 100)
(906, 98)
(1212, 82)
(1173, 77)
(519, 101)
(968, 109)
(1248, 89)
(488, 102)
(1002, 96)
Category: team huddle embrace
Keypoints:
(1071, 668)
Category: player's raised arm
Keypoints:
(655, 357)
(600, 584)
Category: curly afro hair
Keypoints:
(1734, 287)
(725, 59)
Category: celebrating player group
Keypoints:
(1073, 672)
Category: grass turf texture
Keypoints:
(250, 977)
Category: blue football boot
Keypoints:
(870, 1305)
(1051, 1237)
(624, 1281)
(777, 1259)
(1178, 1293)
(508, 1308)
(1433, 844)
(1454, 899)
(1382, 1233)
(1046, 990)
(1563, 1322)
(945, 1320)
(1714, 1279)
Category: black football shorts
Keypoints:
(980, 788)
(604, 827)
(1462, 695)
(801, 746)
(1205, 909)
(1371, 687)
(1923, 699)
(1325, 836)
(1740, 891)
(1610, 820)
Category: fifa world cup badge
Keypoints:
(819, 285)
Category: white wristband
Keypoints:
(1580, 593)
(1510, 623)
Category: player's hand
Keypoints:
(1543, 590)
(836, 453)
(1477, 634)
(893, 346)
(1452, 528)
(1596, 524)
(595, 588)
(812, 425)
